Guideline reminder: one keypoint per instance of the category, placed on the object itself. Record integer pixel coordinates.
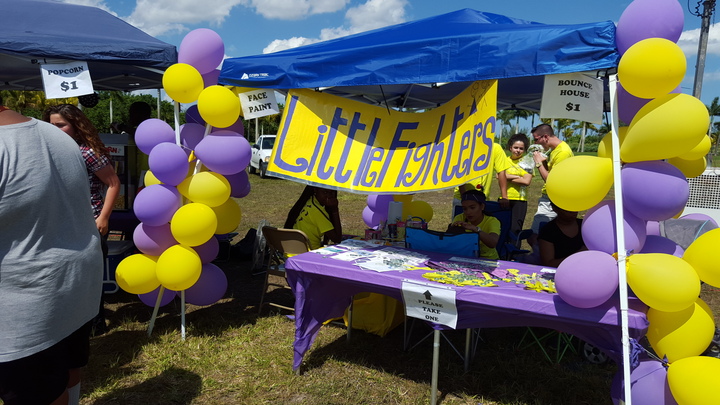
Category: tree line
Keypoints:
(113, 106)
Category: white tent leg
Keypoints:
(620, 239)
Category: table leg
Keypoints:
(435, 367)
(468, 338)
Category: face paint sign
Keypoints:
(352, 146)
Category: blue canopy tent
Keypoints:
(119, 56)
(424, 63)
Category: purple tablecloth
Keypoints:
(324, 286)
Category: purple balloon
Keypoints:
(155, 205)
(191, 134)
(169, 163)
(224, 153)
(660, 244)
(239, 184)
(699, 217)
(211, 78)
(151, 133)
(192, 115)
(652, 228)
(210, 287)
(654, 190)
(379, 202)
(644, 19)
(648, 385)
(208, 251)
(598, 229)
(153, 240)
(150, 298)
(372, 218)
(587, 279)
(203, 49)
(237, 127)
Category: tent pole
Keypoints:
(620, 239)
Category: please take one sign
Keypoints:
(430, 303)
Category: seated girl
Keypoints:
(473, 219)
(316, 213)
(560, 237)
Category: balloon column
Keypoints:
(378, 205)
(664, 143)
(195, 170)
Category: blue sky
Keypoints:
(250, 27)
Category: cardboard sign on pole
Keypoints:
(63, 80)
(574, 96)
(258, 103)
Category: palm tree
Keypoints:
(504, 116)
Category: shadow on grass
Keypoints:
(499, 371)
(179, 387)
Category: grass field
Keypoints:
(233, 355)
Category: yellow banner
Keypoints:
(352, 146)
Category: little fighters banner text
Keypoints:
(352, 146)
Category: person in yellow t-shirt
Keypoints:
(316, 213)
(498, 164)
(560, 150)
(473, 219)
(519, 175)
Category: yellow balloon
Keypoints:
(580, 182)
(136, 274)
(605, 145)
(219, 106)
(704, 256)
(193, 224)
(228, 216)
(693, 380)
(183, 83)
(699, 151)
(652, 67)
(179, 267)
(665, 127)
(689, 168)
(150, 179)
(683, 333)
(419, 209)
(209, 188)
(664, 282)
(403, 198)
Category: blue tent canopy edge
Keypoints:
(119, 55)
(427, 54)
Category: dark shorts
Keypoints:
(42, 377)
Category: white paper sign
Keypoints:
(63, 80)
(574, 96)
(258, 103)
(430, 303)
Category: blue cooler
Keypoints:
(117, 250)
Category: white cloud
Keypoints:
(294, 42)
(295, 9)
(367, 16)
(690, 39)
(158, 17)
(92, 3)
